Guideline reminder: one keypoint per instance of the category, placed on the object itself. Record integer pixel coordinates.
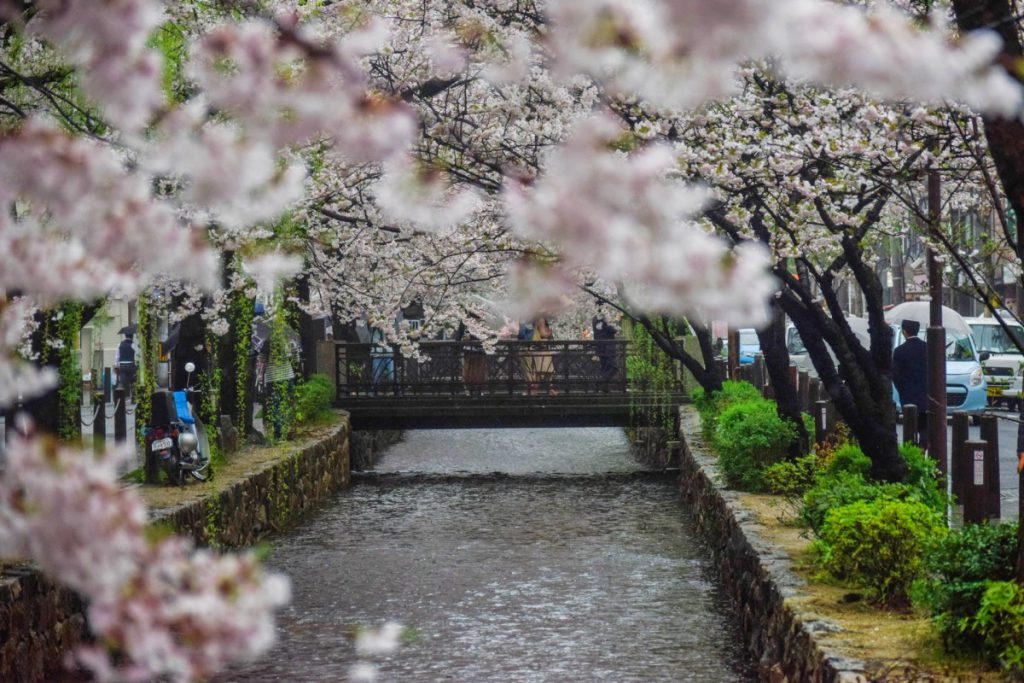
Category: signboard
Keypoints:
(979, 468)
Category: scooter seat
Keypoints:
(183, 409)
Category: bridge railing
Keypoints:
(454, 368)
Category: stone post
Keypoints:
(972, 469)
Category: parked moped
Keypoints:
(175, 436)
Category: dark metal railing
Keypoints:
(453, 368)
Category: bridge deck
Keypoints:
(443, 412)
(516, 384)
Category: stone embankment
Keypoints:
(259, 491)
(796, 627)
(759, 577)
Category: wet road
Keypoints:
(570, 565)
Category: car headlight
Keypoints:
(977, 377)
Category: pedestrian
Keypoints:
(126, 365)
(474, 361)
(604, 336)
(910, 375)
(538, 363)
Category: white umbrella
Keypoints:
(920, 311)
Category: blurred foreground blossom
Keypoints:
(159, 608)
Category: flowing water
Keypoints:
(511, 555)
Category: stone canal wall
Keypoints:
(758, 577)
(256, 493)
(269, 496)
(39, 622)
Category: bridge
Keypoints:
(446, 384)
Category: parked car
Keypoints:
(966, 388)
(750, 345)
(1003, 367)
(798, 355)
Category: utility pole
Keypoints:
(936, 334)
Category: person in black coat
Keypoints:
(910, 375)
(604, 334)
(126, 365)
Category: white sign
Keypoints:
(824, 417)
(979, 468)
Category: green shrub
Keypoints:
(848, 458)
(958, 569)
(732, 393)
(314, 399)
(1000, 621)
(840, 489)
(749, 437)
(843, 480)
(878, 544)
(923, 477)
(791, 478)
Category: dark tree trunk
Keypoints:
(860, 384)
(45, 408)
(191, 347)
(227, 352)
(776, 360)
(1006, 145)
(308, 333)
(705, 370)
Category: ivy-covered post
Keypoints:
(280, 415)
(149, 356)
(234, 349)
(54, 343)
(308, 333)
(68, 321)
(209, 383)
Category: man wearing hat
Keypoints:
(910, 375)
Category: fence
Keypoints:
(459, 368)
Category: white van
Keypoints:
(1003, 366)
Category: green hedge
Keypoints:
(749, 437)
(878, 544)
(958, 571)
(314, 399)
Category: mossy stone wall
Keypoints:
(270, 498)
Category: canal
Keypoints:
(511, 555)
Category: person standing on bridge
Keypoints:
(539, 364)
(910, 375)
(474, 360)
(604, 337)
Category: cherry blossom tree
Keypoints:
(424, 151)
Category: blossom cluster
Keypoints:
(678, 53)
(639, 228)
(169, 611)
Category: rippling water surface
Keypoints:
(570, 566)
